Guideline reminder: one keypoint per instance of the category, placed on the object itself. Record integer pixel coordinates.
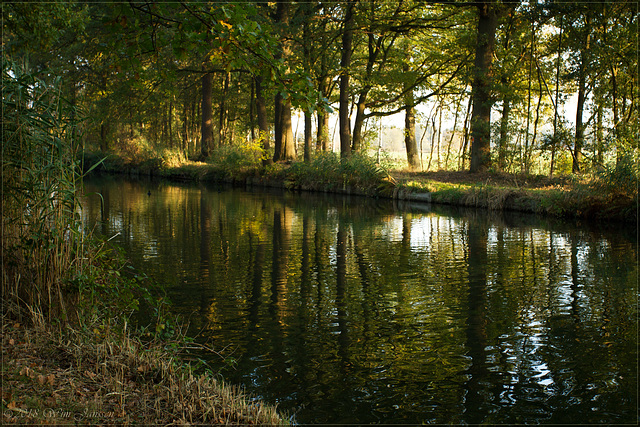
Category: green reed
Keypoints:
(41, 235)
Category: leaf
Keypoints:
(26, 371)
(12, 405)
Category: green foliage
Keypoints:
(232, 159)
(41, 231)
(52, 266)
(329, 171)
(136, 69)
(620, 179)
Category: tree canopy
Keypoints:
(516, 86)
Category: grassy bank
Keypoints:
(110, 377)
(85, 339)
(610, 194)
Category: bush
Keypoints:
(621, 179)
(328, 170)
(235, 158)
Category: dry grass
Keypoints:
(70, 377)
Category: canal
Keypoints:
(357, 310)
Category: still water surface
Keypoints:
(362, 311)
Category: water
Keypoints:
(361, 311)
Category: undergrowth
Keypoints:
(329, 171)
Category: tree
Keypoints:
(482, 87)
(345, 64)
(206, 138)
(284, 144)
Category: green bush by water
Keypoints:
(329, 171)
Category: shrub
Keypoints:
(238, 157)
(619, 180)
(328, 170)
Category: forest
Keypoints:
(546, 87)
(304, 95)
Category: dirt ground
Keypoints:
(497, 179)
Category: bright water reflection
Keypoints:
(354, 311)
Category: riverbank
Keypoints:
(86, 339)
(68, 376)
(93, 362)
(609, 196)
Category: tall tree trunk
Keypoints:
(307, 136)
(358, 124)
(171, 124)
(579, 138)
(439, 131)
(599, 132)
(322, 142)
(525, 157)
(185, 128)
(307, 13)
(261, 112)
(223, 120)
(616, 115)
(536, 121)
(345, 62)
(284, 144)
(556, 107)
(582, 83)
(324, 87)
(433, 138)
(465, 131)
(252, 116)
(482, 82)
(410, 135)
(410, 141)
(165, 128)
(504, 132)
(206, 139)
(104, 145)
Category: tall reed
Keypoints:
(41, 235)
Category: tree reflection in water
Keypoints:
(360, 311)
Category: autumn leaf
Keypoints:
(27, 372)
